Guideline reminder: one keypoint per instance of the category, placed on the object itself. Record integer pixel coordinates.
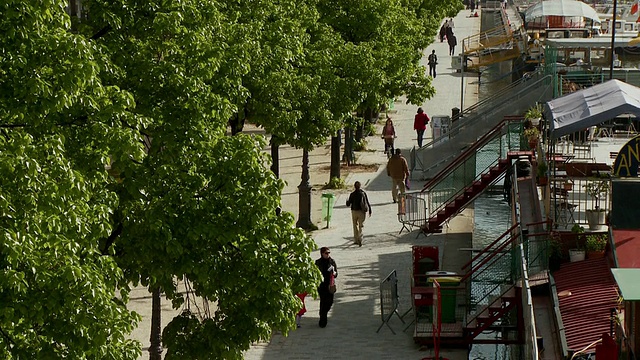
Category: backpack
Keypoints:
(364, 205)
(433, 59)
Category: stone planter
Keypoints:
(595, 218)
(576, 255)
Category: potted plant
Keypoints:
(596, 244)
(534, 114)
(578, 253)
(532, 135)
(596, 189)
(555, 251)
(542, 173)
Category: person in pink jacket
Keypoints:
(420, 124)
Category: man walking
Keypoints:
(398, 170)
(420, 122)
(360, 206)
(452, 44)
(432, 61)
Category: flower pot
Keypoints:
(576, 255)
(567, 186)
(595, 218)
(595, 254)
(542, 181)
(535, 121)
(533, 144)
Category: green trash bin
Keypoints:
(448, 293)
(327, 206)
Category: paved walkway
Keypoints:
(351, 331)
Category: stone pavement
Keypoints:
(351, 332)
(355, 316)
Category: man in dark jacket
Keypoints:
(398, 170)
(359, 203)
(327, 267)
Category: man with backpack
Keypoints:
(360, 206)
(432, 61)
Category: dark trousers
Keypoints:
(451, 49)
(432, 70)
(326, 301)
(388, 145)
(420, 136)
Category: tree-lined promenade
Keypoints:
(117, 170)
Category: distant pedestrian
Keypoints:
(303, 310)
(420, 124)
(328, 269)
(442, 33)
(360, 206)
(452, 44)
(448, 32)
(398, 170)
(472, 5)
(432, 60)
(388, 134)
(451, 23)
(504, 4)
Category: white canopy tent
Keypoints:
(567, 8)
(599, 103)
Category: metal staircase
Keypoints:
(473, 171)
(494, 301)
(476, 120)
(493, 46)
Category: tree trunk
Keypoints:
(236, 123)
(335, 156)
(275, 155)
(155, 349)
(304, 195)
(348, 146)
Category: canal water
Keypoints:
(492, 212)
(492, 218)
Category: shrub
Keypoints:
(596, 242)
(335, 183)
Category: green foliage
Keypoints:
(531, 133)
(360, 145)
(577, 229)
(596, 189)
(542, 169)
(369, 129)
(596, 242)
(534, 112)
(336, 183)
(147, 89)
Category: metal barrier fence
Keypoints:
(412, 211)
(389, 300)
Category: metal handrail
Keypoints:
(501, 97)
(489, 246)
(491, 255)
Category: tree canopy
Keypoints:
(116, 168)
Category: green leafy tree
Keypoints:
(58, 123)
(146, 89)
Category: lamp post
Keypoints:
(613, 37)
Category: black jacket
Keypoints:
(354, 200)
(323, 264)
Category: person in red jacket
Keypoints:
(420, 124)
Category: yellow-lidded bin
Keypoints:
(448, 294)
